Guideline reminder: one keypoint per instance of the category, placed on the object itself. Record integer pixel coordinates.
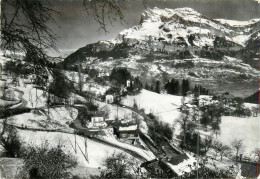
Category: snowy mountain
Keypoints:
(179, 43)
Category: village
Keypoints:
(171, 97)
(124, 124)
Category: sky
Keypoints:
(76, 28)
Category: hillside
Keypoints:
(180, 43)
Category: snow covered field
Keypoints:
(164, 106)
(246, 129)
(54, 118)
(96, 152)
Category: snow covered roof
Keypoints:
(181, 164)
(98, 114)
(128, 128)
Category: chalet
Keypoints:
(109, 99)
(128, 132)
(176, 166)
(157, 168)
(228, 98)
(190, 94)
(97, 119)
(129, 83)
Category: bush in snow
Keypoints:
(10, 142)
(121, 166)
(45, 161)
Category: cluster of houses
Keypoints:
(123, 131)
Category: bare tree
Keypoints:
(24, 29)
(208, 144)
(119, 165)
(185, 124)
(116, 166)
(105, 10)
(221, 149)
(237, 145)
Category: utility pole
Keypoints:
(75, 143)
(117, 111)
(86, 147)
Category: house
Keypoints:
(98, 119)
(228, 98)
(190, 94)
(109, 98)
(157, 168)
(128, 83)
(177, 166)
(128, 133)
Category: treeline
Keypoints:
(174, 87)
(254, 98)
(122, 77)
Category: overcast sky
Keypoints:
(77, 28)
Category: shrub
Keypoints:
(47, 162)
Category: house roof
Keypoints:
(98, 114)
(181, 164)
(145, 164)
(128, 128)
(178, 159)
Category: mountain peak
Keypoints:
(156, 13)
(171, 25)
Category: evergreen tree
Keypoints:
(157, 87)
(185, 87)
(172, 87)
(146, 86)
(151, 87)
(120, 75)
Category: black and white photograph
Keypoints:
(129, 89)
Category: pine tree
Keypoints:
(146, 86)
(157, 87)
(185, 87)
(151, 87)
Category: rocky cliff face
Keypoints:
(181, 43)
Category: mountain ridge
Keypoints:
(166, 38)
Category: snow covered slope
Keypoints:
(164, 106)
(169, 25)
(236, 23)
(96, 152)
